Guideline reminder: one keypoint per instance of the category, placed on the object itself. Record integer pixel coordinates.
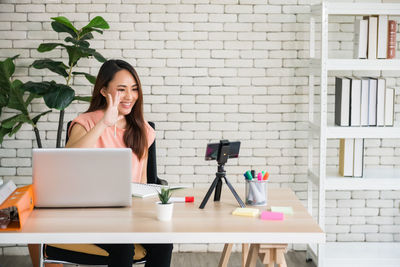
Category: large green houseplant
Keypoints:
(12, 97)
(55, 95)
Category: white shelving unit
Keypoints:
(345, 254)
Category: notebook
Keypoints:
(148, 190)
(82, 177)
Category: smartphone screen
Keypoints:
(212, 150)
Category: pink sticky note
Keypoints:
(272, 216)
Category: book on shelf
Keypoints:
(373, 83)
(391, 44)
(372, 36)
(351, 157)
(355, 102)
(380, 102)
(358, 161)
(342, 101)
(375, 38)
(389, 107)
(360, 38)
(364, 101)
(346, 157)
(382, 36)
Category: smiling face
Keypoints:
(124, 83)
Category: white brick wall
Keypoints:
(211, 69)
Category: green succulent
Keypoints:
(164, 195)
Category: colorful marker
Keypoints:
(248, 175)
(259, 176)
(182, 199)
(266, 175)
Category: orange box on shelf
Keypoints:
(22, 200)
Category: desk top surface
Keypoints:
(189, 224)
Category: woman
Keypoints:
(115, 120)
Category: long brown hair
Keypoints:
(135, 132)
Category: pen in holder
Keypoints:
(256, 192)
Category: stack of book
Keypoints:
(351, 157)
(375, 38)
(363, 101)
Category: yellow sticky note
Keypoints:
(284, 210)
(249, 212)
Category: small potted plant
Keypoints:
(164, 208)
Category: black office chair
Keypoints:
(99, 255)
(152, 177)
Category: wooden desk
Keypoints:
(138, 224)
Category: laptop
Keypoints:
(82, 177)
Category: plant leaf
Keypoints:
(59, 97)
(99, 57)
(38, 88)
(77, 42)
(59, 27)
(36, 118)
(10, 122)
(3, 132)
(48, 46)
(15, 129)
(9, 66)
(83, 98)
(63, 20)
(74, 54)
(89, 30)
(89, 77)
(54, 66)
(16, 100)
(87, 36)
(97, 22)
(7, 69)
(3, 98)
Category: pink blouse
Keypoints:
(107, 139)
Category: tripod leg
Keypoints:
(234, 193)
(218, 188)
(209, 192)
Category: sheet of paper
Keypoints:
(271, 216)
(249, 212)
(284, 210)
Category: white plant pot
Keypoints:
(164, 211)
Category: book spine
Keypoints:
(338, 100)
(372, 36)
(358, 165)
(360, 39)
(342, 101)
(355, 102)
(380, 102)
(346, 157)
(392, 30)
(372, 102)
(364, 101)
(382, 36)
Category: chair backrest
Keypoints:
(152, 177)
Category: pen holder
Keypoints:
(256, 192)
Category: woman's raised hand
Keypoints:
(111, 114)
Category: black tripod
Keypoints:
(217, 185)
